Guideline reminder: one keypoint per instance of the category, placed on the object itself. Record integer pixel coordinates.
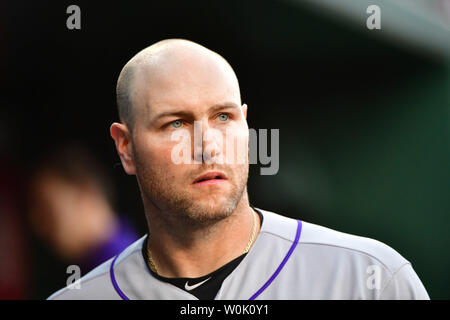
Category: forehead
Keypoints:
(185, 82)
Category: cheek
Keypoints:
(150, 149)
(157, 155)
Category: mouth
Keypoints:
(210, 178)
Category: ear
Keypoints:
(122, 138)
(244, 110)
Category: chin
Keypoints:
(210, 210)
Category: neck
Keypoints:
(197, 251)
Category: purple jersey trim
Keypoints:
(114, 282)
(286, 258)
(264, 287)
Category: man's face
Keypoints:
(202, 95)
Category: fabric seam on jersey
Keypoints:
(277, 235)
(392, 277)
(391, 272)
(360, 252)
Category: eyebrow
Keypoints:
(183, 113)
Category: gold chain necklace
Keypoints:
(247, 248)
(252, 237)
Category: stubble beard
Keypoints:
(179, 208)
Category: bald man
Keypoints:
(205, 240)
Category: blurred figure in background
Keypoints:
(13, 256)
(71, 212)
(14, 266)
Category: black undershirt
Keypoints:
(207, 290)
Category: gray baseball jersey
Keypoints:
(290, 259)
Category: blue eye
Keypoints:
(176, 124)
(223, 117)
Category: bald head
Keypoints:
(169, 71)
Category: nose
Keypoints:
(207, 143)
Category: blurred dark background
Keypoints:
(363, 114)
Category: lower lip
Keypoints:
(210, 182)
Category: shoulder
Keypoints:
(94, 284)
(331, 242)
(97, 283)
(328, 264)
